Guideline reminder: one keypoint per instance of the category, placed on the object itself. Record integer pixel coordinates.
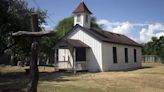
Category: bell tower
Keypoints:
(82, 15)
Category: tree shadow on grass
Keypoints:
(56, 76)
(145, 67)
(17, 81)
(13, 81)
(135, 69)
(141, 68)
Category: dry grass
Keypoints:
(148, 79)
(10, 69)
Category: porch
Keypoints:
(71, 55)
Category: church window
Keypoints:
(78, 18)
(86, 18)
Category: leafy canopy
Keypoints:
(154, 47)
(66, 25)
(15, 16)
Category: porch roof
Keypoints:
(76, 43)
(72, 43)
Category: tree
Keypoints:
(66, 25)
(155, 47)
(161, 50)
(15, 16)
(94, 24)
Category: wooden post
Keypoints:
(34, 72)
(55, 60)
(55, 56)
(74, 60)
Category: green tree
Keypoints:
(155, 47)
(16, 16)
(94, 24)
(66, 25)
(161, 50)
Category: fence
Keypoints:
(152, 59)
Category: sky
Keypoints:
(138, 19)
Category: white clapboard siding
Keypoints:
(94, 53)
(65, 60)
(107, 54)
(100, 54)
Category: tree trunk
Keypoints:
(34, 73)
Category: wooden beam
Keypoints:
(33, 34)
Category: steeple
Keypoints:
(82, 8)
(82, 15)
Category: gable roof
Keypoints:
(82, 8)
(115, 38)
(106, 36)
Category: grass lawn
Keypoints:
(148, 79)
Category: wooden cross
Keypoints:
(35, 34)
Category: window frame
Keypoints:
(87, 18)
(115, 55)
(78, 18)
(126, 55)
(135, 55)
(80, 54)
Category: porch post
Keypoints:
(55, 55)
(74, 60)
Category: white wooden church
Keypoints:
(87, 48)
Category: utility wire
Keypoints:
(36, 3)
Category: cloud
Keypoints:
(116, 27)
(153, 30)
(107, 23)
(125, 28)
(146, 30)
